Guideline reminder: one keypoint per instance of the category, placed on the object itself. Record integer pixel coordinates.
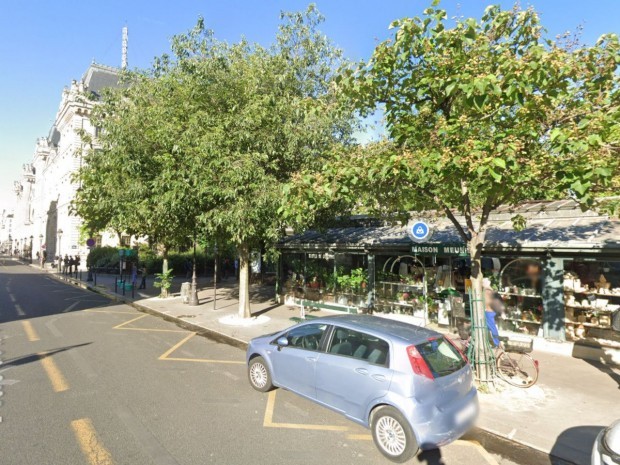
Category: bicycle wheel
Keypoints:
(517, 369)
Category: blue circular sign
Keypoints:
(420, 230)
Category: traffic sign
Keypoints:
(90, 242)
(419, 231)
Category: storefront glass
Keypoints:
(520, 285)
(592, 299)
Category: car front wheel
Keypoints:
(259, 376)
(392, 434)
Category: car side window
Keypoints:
(306, 337)
(362, 346)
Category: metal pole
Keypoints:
(116, 284)
(193, 297)
(215, 275)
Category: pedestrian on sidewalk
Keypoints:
(143, 281)
(76, 262)
(493, 307)
(134, 274)
(236, 269)
(65, 263)
(188, 268)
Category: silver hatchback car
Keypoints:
(410, 385)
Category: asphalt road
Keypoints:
(86, 381)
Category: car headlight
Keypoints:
(611, 441)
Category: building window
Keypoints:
(125, 240)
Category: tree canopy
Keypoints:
(478, 113)
(207, 137)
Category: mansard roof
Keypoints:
(98, 77)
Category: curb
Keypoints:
(513, 450)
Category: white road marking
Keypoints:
(12, 297)
(512, 433)
(19, 310)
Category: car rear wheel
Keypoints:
(259, 376)
(393, 435)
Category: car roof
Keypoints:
(395, 329)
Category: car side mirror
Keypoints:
(282, 342)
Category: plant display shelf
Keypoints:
(592, 293)
(523, 321)
(588, 308)
(516, 294)
(589, 325)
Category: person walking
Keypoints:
(65, 263)
(143, 281)
(134, 274)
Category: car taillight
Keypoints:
(418, 364)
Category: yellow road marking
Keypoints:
(108, 311)
(90, 443)
(59, 383)
(122, 326)
(165, 355)
(485, 454)
(360, 437)
(130, 321)
(268, 420)
(31, 334)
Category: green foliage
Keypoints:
(164, 281)
(104, 257)
(353, 281)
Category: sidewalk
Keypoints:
(558, 417)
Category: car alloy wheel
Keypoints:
(259, 375)
(392, 434)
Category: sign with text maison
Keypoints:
(440, 250)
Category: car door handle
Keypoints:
(362, 371)
(312, 359)
(379, 377)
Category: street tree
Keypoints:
(275, 113)
(207, 138)
(478, 113)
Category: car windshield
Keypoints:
(441, 356)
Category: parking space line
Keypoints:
(130, 321)
(108, 311)
(31, 334)
(483, 452)
(166, 355)
(268, 420)
(59, 383)
(122, 326)
(91, 445)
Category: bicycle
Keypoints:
(513, 362)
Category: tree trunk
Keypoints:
(244, 281)
(483, 356)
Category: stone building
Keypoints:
(42, 217)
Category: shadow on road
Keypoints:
(575, 444)
(430, 457)
(17, 361)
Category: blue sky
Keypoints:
(45, 44)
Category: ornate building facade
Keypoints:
(42, 219)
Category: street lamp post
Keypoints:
(193, 297)
(214, 275)
(30, 253)
(41, 250)
(59, 251)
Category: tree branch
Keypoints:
(466, 205)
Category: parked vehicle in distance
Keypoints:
(410, 385)
(606, 450)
